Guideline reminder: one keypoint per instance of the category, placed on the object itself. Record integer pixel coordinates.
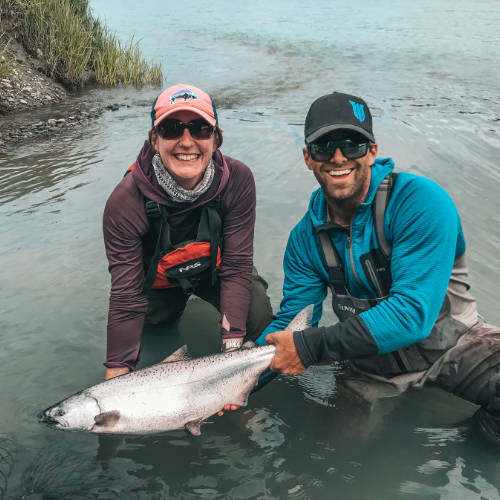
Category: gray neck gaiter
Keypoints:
(176, 192)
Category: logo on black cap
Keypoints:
(358, 110)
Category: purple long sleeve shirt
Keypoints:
(125, 223)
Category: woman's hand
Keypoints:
(227, 408)
(115, 372)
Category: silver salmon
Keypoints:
(177, 393)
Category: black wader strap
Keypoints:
(156, 217)
(379, 206)
(382, 197)
(332, 260)
(210, 229)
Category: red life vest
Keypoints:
(167, 265)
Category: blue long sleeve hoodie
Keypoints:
(424, 227)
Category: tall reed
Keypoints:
(115, 64)
(73, 42)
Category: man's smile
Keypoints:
(339, 173)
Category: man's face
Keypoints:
(343, 180)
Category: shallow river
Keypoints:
(430, 72)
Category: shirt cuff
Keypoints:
(118, 364)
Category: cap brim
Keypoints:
(329, 128)
(201, 114)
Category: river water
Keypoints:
(430, 72)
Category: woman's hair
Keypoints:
(217, 132)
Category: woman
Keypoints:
(181, 222)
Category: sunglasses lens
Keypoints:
(173, 129)
(170, 129)
(200, 129)
(352, 150)
(319, 152)
(323, 151)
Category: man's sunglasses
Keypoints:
(173, 129)
(324, 150)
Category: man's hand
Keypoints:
(114, 372)
(286, 360)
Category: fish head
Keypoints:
(76, 413)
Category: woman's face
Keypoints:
(185, 158)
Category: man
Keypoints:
(392, 251)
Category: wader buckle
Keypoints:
(152, 209)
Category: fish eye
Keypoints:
(59, 412)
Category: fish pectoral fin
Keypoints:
(180, 355)
(248, 345)
(194, 426)
(107, 419)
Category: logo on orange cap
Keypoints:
(185, 94)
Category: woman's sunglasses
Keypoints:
(324, 150)
(173, 129)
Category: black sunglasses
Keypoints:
(324, 150)
(173, 129)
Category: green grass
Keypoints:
(116, 64)
(73, 43)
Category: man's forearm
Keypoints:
(345, 340)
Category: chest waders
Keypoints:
(183, 264)
(377, 268)
(376, 264)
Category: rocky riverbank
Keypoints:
(27, 88)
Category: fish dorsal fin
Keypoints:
(180, 355)
(194, 426)
(107, 419)
(303, 320)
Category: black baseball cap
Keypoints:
(338, 111)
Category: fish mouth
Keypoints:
(45, 417)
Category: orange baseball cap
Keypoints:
(182, 97)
